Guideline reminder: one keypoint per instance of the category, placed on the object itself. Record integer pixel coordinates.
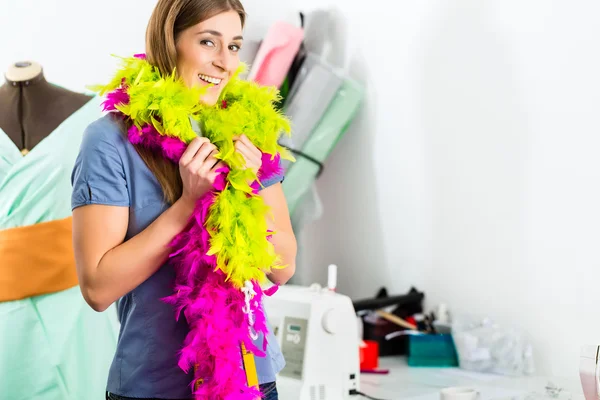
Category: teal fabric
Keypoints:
(52, 347)
(322, 139)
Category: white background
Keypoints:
(471, 171)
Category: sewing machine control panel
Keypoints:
(293, 346)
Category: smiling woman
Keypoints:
(208, 53)
(186, 207)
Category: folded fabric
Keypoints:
(323, 138)
(248, 54)
(276, 54)
(316, 85)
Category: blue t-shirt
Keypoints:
(109, 171)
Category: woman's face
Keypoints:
(207, 53)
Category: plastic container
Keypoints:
(432, 351)
(369, 355)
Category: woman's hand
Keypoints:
(252, 155)
(197, 168)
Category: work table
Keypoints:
(416, 383)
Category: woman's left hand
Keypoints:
(252, 155)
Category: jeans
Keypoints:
(269, 391)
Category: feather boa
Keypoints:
(222, 257)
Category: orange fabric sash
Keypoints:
(36, 259)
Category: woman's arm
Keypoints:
(109, 268)
(284, 239)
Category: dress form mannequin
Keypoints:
(40, 298)
(31, 107)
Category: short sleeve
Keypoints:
(274, 178)
(98, 176)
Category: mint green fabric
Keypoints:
(323, 138)
(52, 347)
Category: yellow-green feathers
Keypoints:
(237, 218)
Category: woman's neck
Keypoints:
(31, 108)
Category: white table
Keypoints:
(411, 383)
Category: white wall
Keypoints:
(74, 39)
(479, 174)
(471, 171)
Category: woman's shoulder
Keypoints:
(103, 146)
(98, 176)
(106, 131)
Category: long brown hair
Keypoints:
(168, 20)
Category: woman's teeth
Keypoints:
(209, 79)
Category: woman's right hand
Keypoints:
(197, 168)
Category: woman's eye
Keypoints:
(234, 47)
(208, 43)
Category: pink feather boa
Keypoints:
(212, 307)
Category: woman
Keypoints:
(131, 202)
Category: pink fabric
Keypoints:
(276, 54)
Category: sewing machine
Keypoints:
(318, 334)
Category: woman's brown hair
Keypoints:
(168, 20)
